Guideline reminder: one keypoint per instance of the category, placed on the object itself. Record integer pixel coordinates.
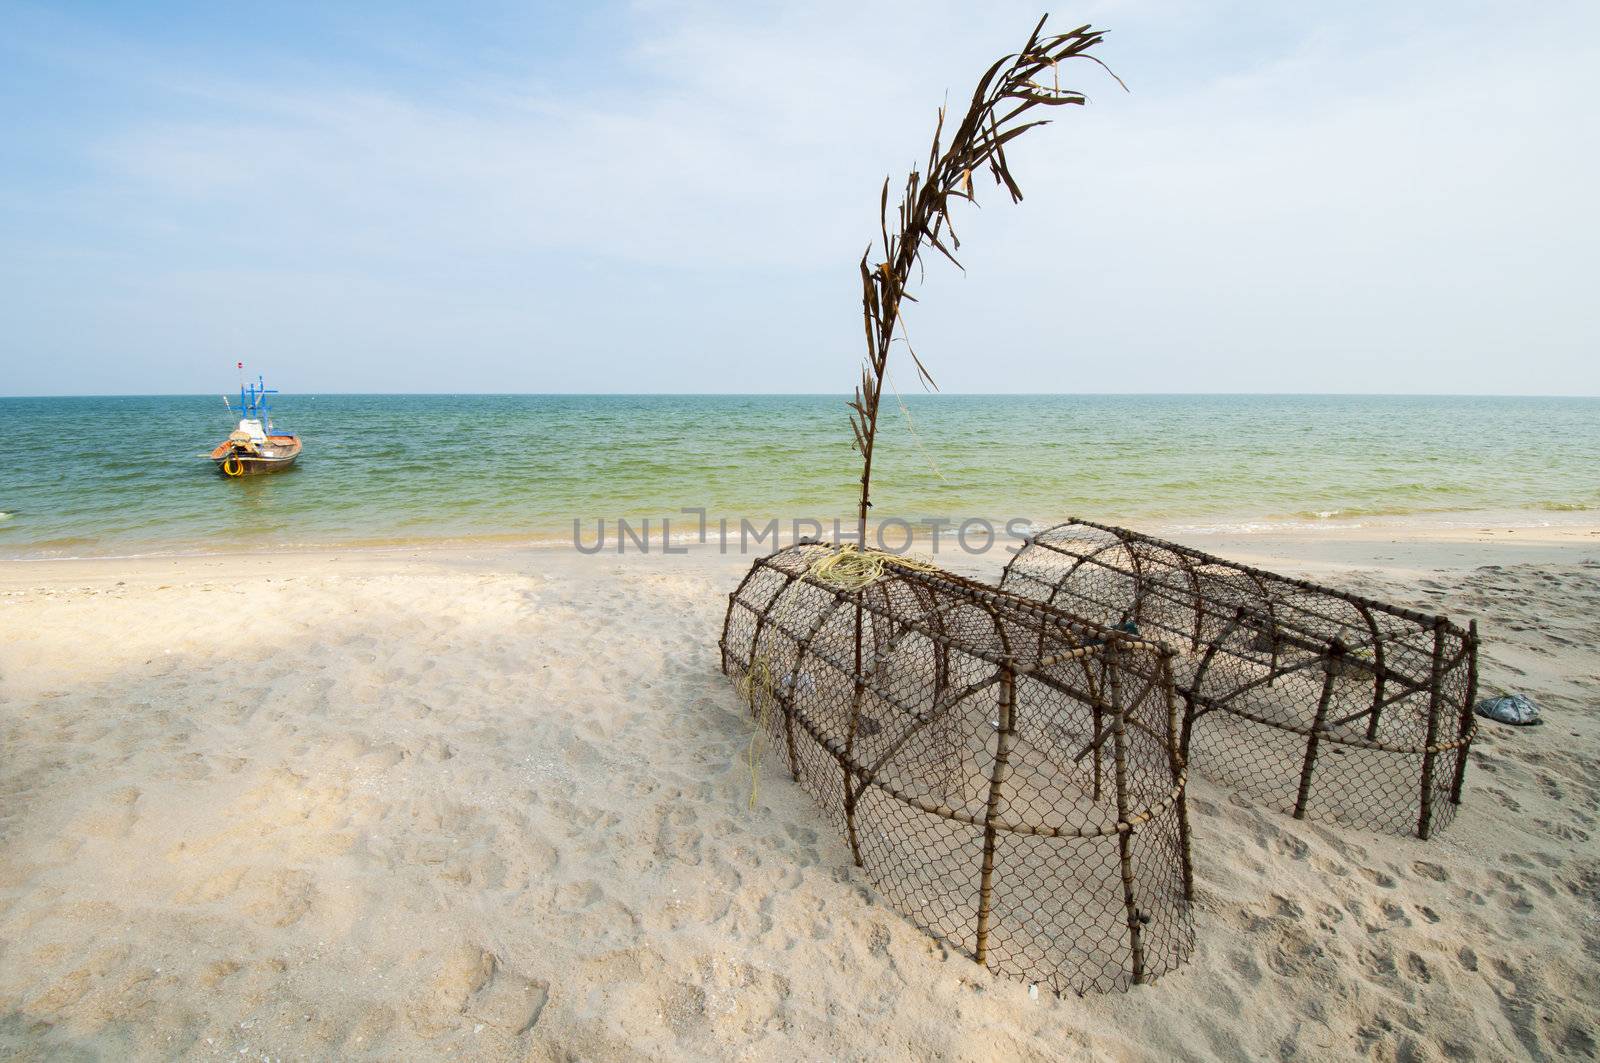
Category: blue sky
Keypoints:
(672, 197)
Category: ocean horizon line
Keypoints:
(919, 394)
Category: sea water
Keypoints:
(98, 476)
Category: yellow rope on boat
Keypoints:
(238, 465)
(852, 569)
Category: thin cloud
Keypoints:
(1343, 198)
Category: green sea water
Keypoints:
(113, 476)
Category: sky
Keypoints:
(673, 197)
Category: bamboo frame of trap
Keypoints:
(1318, 702)
(1009, 777)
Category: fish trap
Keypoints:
(1316, 702)
(1009, 777)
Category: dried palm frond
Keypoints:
(1010, 88)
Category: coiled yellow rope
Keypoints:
(851, 569)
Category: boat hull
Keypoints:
(277, 454)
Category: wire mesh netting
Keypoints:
(1009, 777)
(1316, 702)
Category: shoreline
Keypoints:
(1454, 527)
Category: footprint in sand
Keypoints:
(280, 898)
(509, 1001)
(112, 816)
(1429, 870)
(576, 896)
(472, 986)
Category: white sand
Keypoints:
(489, 803)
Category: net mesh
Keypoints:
(1010, 777)
(1308, 700)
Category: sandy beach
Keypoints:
(489, 802)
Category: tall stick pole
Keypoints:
(1179, 768)
(997, 781)
(1464, 726)
(1119, 745)
(1429, 754)
(1308, 767)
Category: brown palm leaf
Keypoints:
(1010, 88)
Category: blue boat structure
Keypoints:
(255, 447)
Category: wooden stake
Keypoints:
(1098, 711)
(997, 779)
(1331, 667)
(1429, 754)
(1466, 712)
(1175, 761)
(845, 780)
(1119, 738)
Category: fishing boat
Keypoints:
(255, 447)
